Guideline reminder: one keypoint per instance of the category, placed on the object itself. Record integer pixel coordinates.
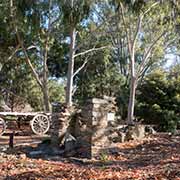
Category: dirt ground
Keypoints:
(156, 157)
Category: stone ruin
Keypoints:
(59, 123)
(90, 131)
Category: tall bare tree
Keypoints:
(144, 31)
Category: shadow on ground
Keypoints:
(158, 154)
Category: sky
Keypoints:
(171, 59)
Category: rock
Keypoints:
(59, 123)
(117, 137)
(69, 142)
(113, 137)
(129, 135)
(150, 130)
(136, 132)
(22, 156)
(121, 137)
(3, 148)
(4, 106)
(35, 153)
(140, 131)
(3, 155)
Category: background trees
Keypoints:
(89, 48)
(30, 25)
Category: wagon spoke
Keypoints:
(2, 126)
(40, 124)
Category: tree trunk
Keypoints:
(133, 85)
(69, 87)
(44, 88)
(132, 100)
(46, 102)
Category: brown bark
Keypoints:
(45, 89)
(46, 99)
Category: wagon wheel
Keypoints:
(2, 126)
(40, 124)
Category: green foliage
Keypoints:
(169, 121)
(56, 91)
(74, 11)
(158, 100)
(33, 95)
(16, 81)
(133, 5)
(100, 77)
(107, 70)
(103, 157)
(58, 58)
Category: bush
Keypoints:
(169, 121)
(158, 101)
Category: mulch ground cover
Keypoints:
(156, 157)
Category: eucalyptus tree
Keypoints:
(76, 18)
(8, 46)
(148, 29)
(32, 23)
(74, 12)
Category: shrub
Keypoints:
(158, 101)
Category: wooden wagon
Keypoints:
(39, 122)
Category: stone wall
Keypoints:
(59, 123)
(91, 129)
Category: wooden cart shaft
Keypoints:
(22, 114)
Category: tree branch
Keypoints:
(90, 50)
(45, 68)
(126, 29)
(110, 32)
(80, 68)
(92, 32)
(154, 4)
(28, 61)
(137, 31)
(10, 57)
(74, 90)
(147, 53)
(32, 47)
(140, 18)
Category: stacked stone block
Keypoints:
(59, 124)
(92, 127)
